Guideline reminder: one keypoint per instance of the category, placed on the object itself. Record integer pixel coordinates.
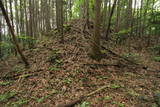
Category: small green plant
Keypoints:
(84, 104)
(3, 83)
(118, 104)
(25, 75)
(6, 96)
(54, 56)
(67, 81)
(115, 86)
(53, 68)
(107, 98)
(122, 35)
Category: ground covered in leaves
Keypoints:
(62, 72)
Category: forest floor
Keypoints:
(63, 72)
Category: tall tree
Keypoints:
(95, 43)
(59, 18)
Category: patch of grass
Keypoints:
(18, 103)
(6, 96)
(3, 83)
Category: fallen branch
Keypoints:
(78, 100)
(131, 62)
(102, 65)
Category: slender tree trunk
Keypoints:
(117, 26)
(17, 16)
(0, 36)
(11, 10)
(12, 33)
(110, 18)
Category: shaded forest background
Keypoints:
(82, 53)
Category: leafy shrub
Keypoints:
(156, 59)
(155, 49)
(6, 96)
(54, 57)
(122, 35)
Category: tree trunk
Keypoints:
(59, 18)
(12, 33)
(95, 43)
(110, 18)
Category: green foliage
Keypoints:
(67, 81)
(54, 56)
(118, 104)
(3, 83)
(84, 104)
(156, 59)
(26, 39)
(76, 8)
(53, 68)
(157, 98)
(155, 49)
(107, 98)
(18, 103)
(6, 45)
(122, 35)
(6, 96)
(115, 86)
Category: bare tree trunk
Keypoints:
(17, 16)
(0, 35)
(95, 43)
(59, 18)
(117, 26)
(110, 18)
(11, 10)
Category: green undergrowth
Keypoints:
(6, 96)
